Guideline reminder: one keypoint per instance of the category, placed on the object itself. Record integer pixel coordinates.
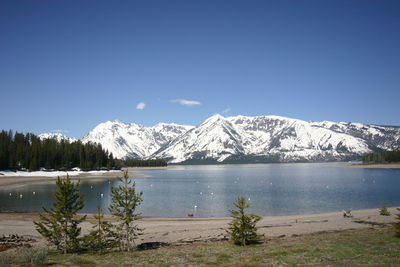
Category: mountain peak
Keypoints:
(218, 138)
(213, 118)
(276, 138)
(56, 135)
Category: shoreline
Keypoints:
(370, 166)
(189, 230)
(14, 181)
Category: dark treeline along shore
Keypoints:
(384, 157)
(20, 151)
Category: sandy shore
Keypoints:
(370, 166)
(10, 181)
(145, 168)
(188, 230)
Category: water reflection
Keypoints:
(209, 191)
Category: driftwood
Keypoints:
(372, 223)
(220, 237)
(151, 245)
(313, 221)
(347, 214)
(274, 225)
(13, 241)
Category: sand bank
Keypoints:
(370, 166)
(9, 181)
(188, 230)
(145, 168)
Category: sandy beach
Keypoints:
(370, 166)
(189, 230)
(10, 181)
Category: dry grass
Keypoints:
(368, 247)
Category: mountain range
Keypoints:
(243, 139)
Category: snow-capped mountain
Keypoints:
(383, 137)
(278, 139)
(130, 140)
(57, 136)
(243, 138)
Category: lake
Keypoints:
(211, 190)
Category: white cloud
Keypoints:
(227, 110)
(185, 102)
(140, 105)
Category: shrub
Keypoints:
(124, 201)
(384, 211)
(243, 228)
(60, 226)
(102, 235)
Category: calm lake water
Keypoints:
(210, 190)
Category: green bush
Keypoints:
(384, 211)
(61, 226)
(101, 236)
(124, 202)
(243, 228)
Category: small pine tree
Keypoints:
(397, 225)
(124, 201)
(102, 235)
(60, 226)
(243, 228)
(384, 211)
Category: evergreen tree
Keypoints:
(384, 211)
(19, 151)
(102, 235)
(243, 228)
(124, 201)
(60, 226)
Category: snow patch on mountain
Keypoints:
(57, 136)
(219, 138)
(130, 140)
(273, 136)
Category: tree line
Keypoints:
(384, 157)
(20, 151)
(144, 163)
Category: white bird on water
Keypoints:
(20, 196)
(101, 195)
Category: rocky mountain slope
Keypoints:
(130, 140)
(245, 139)
(274, 138)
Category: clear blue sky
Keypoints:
(70, 65)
